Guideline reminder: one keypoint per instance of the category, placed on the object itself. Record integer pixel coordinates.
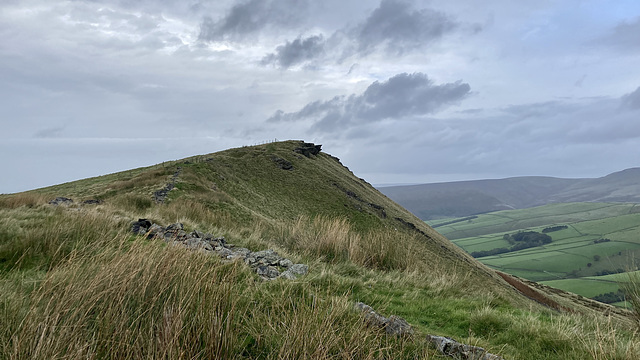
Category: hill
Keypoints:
(75, 282)
(465, 198)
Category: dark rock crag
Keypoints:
(308, 149)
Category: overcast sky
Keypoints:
(401, 91)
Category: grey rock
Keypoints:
(241, 252)
(197, 234)
(193, 243)
(175, 227)
(394, 325)
(224, 253)
(141, 226)
(398, 326)
(285, 263)
(308, 149)
(299, 269)
(267, 257)
(288, 275)
(268, 272)
(456, 350)
(60, 200)
(156, 229)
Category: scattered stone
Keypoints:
(92, 202)
(266, 263)
(60, 200)
(393, 325)
(456, 350)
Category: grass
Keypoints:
(573, 251)
(75, 284)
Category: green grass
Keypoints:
(75, 284)
(571, 255)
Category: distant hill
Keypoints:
(464, 198)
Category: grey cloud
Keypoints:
(49, 132)
(404, 95)
(399, 27)
(296, 52)
(251, 17)
(624, 36)
(632, 101)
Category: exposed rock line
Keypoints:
(397, 326)
(64, 201)
(266, 263)
(160, 195)
(449, 347)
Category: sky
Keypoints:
(401, 91)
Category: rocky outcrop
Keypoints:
(266, 263)
(393, 325)
(449, 347)
(160, 195)
(397, 326)
(60, 200)
(282, 163)
(308, 149)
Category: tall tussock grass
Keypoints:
(335, 240)
(141, 299)
(145, 302)
(28, 199)
(49, 236)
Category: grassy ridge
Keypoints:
(75, 284)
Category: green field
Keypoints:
(573, 261)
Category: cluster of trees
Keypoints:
(519, 241)
(610, 297)
(601, 240)
(609, 272)
(554, 228)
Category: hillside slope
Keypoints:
(464, 198)
(76, 283)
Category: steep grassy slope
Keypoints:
(74, 283)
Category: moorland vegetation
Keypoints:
(75, 282)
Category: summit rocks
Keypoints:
(266, 263)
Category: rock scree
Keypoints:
(266, 263)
